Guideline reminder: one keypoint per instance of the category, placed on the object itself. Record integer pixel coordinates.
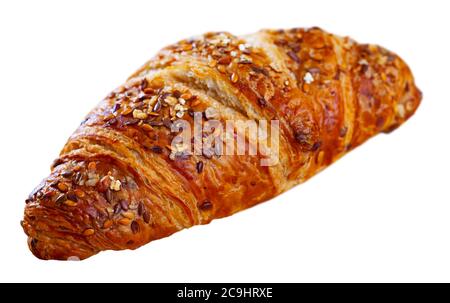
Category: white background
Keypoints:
(381, 213)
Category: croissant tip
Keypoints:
(41, 252)
(32, 244)
(43, 246)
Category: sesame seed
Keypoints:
(308, 78)
(107, 224)
(234, 77)
(128, 214)
(401, 110)
(363, 62)
(178, 107)
(88, 232)
(172, 156)
(70, 203)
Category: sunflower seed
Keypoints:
(109, 196)
(140, 209)
(199, 166)
(146, 216)
(108, 223)
(135, 227)
(61, 198)
(72, 196)
(117, 208)
(205, 205)
(124, 204)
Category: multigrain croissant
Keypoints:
(120, 182)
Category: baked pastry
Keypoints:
(120, 182)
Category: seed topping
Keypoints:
(199, 166)
(205, 205)
(124, 221)
(108, 223)
(135, 227)
(308, 78)
(70, 203)
(115, 184)
(88, 232)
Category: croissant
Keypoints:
(121, 182)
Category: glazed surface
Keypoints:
(118, 183)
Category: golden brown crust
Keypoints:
(119, 185)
